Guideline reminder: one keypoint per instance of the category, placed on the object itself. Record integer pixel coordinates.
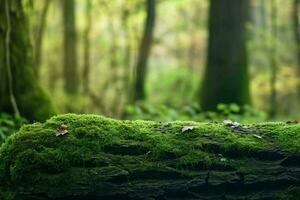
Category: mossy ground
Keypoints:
(98, 149)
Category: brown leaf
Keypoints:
(292, 122)
(61, 130)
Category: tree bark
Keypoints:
(226, 77)
(127, 60)
(70, 47)
(102, 158)
(86, 48)
(20, 92)
(144, 51)
(39, 37)
(273, 60)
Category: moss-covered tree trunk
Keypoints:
(70, 47)
(226, 76)
(92, 157)
(296, 30)
(19, 89)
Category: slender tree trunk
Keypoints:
(263, 13)
(86, 47)
(296, 27)
(127, 59)
(273, 60)
(70, 47)
(39, 37)
(226, 77)
(144, 51)
(264, 26)
(19, 89)
(114, 79)
(192, 50)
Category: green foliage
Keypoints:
(9, 125)
(163, 84)
(69, 103)
(145, 110)
(176, 64)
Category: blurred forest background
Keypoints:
(150, 59)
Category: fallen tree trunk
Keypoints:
(92, 157)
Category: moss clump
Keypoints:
(104, 158)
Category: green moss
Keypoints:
(290, 194)
(35, 104)
(7, 194)
(195, 158)
(287, 136)
(100, 148)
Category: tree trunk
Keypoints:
(19, 90)
(92, 157)
(273, 60)
(39, 37)
(86, 48)
(296, 27)
(127, 60)
(226, 77)
(144, 51)
(70, 47)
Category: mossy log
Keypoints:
(101, 158)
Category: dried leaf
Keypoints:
(62, 130)
(186, 128)
(292, 122)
